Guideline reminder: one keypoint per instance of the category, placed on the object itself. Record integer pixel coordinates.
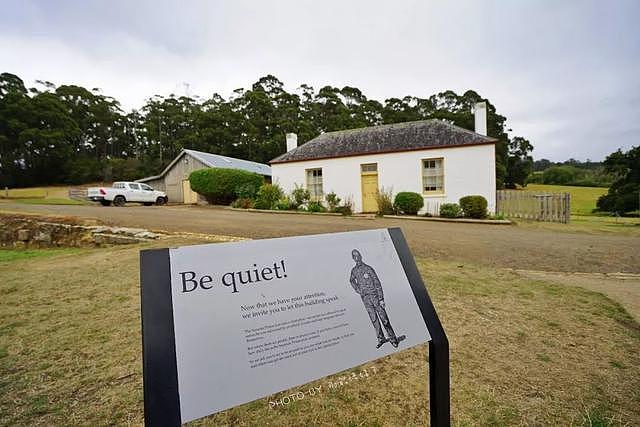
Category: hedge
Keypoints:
(474, 206)
(408, 202)
(219, 185)
(450, 210)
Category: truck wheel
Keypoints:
(119, 201)
(161, 201)
(105, 202)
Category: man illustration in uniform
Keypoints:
(365, 282)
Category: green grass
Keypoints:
(52, 201)
(60, 192)
(583, 199)
(53, 195)
(9, 255)
(590, 224)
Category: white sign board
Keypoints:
(254, 318)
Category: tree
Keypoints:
(542, 164)
(73, 134)
(560, 175)
(624, 194)
(519, 162)
(14, 105)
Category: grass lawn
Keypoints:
(590, 224)
(523, 351)
(49, 201)
(54, 195)
(8, 255)
(56, 192)
(583, 199)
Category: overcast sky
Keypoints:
(566, 74)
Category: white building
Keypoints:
(441, 161)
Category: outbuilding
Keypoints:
(174, 179)
(434, 158)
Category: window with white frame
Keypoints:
(433, 176)
(314, 184)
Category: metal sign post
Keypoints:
(439, 386)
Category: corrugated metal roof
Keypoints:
(215, 161)
(407, 136)
(218, 161)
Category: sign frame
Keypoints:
(159, 362)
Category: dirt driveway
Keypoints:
(491, 245)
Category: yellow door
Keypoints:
(369, 179)
(188, 195)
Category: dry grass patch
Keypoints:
(623, 226)
(35, 192)
(523, 351)
(531, 352)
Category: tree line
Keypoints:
(70, 134)
(571, 172)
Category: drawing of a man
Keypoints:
(365, 282)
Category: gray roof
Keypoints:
(409, 136)
(215, 161)
(218, 161)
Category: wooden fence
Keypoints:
(78, 193)
(534, 205)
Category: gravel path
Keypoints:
(491, 245)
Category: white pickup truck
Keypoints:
(122, 192)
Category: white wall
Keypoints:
(467, 170)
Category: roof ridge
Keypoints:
(391, 137)
(386, 125)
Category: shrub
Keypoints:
(384, 199)
(300, 196)
(242, 203)
(316, 207)
(346, 208)
(247, 191)
(408, 202)
(450, 210)
(268, 195)
(218, 186)
(333, 201)
(283, 204)
(474, 206)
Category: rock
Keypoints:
(42, 237)
(23, 235)
(113, 239)
(146, 235)
(99, 229)
(127, 230)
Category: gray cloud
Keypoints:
(563, 73)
